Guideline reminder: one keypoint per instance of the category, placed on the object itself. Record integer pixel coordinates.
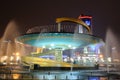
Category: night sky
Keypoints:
(29, 13)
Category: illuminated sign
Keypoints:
(86, 19)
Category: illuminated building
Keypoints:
(60, 45)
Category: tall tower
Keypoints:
(87, 19)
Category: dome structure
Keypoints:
(58, 45)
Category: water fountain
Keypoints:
(112, 50)
(52, 46)
(55, 48)
(7, 47)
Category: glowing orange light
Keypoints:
(101, 56)
(17, 54)
(16, 76)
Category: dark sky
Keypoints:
(29, 13)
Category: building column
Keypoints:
(59, 27)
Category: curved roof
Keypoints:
(58, 40)
(79, 21)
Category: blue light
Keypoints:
(88, 22)
(94, 78)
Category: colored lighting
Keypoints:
(64, 40)
(88, 22)
(101, 56)
(94, 78)
(80, 17)
(54, 45)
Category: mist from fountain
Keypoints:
(112, 48)
(7, 47)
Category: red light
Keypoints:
(83, 16)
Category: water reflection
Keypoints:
(57, 76)
(14, 72)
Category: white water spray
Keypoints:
(111, 49)
(7, 47)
